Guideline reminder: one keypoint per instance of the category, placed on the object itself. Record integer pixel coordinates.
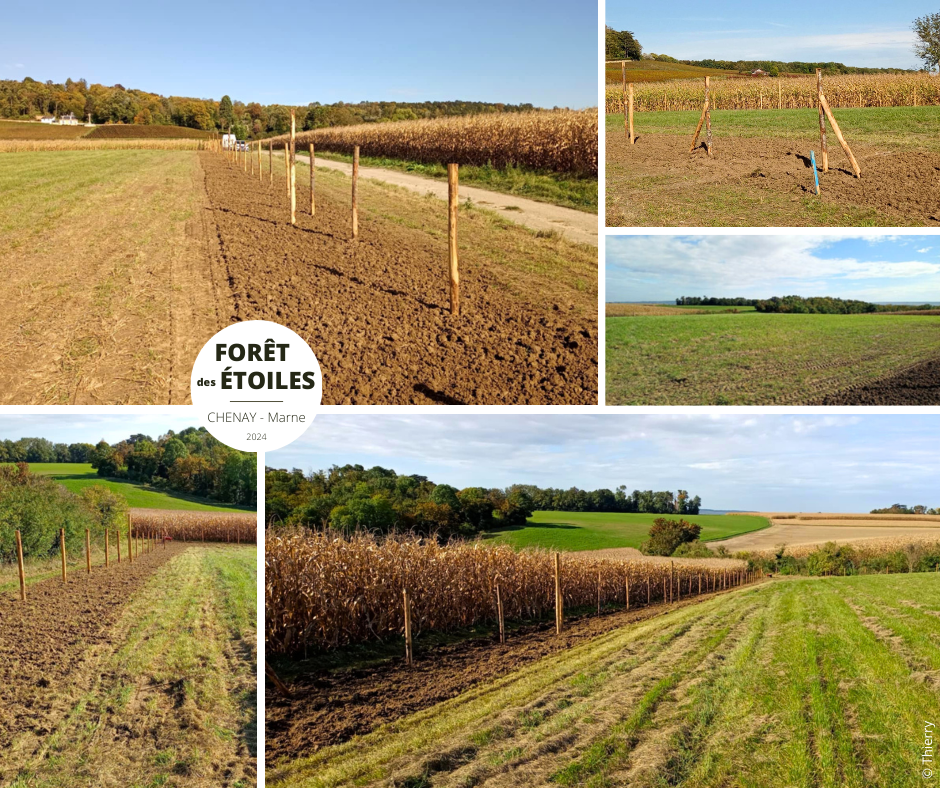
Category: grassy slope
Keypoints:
(561, 189)
(810, 682)
(601, 530)
(891, 127)
(178, 679)
(77, 476)
(728, 359)
(16, 130)
(659, 71)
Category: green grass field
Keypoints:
(894, 127)
(77, 476)
(574, 531)
(758, 359)
(810, 683)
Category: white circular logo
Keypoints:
(256, 385)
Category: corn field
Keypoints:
(853, 90)
(198, 526)
(558, 140)
(26, 146)
(324, 591)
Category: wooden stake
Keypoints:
(630, 113)
(698, 129)
(250, 156)
(779, 94)
(499, 613)
(708, 118)
(700, 584)
(260, 172)
(838, 132)
(559, 611)
(293, 167)
(409, 652)
(88, 550)
(107, 549)
(647, 591)
(355, 192)
(130, 541)
(626, 594)
(271, 162)
(313, 204)
(822, 121)
(279, 685)
(19, 564)
(118, 541)
(65, 577)
(623, 73)
(452, 199)
(598, 592)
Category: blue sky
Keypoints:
(869, 268)
(733, 461)
(538, 51)
(90, 427)
(864, 33)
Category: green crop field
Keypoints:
(809, 682)
(894, 127)
(602, 530)
(76, 476)
(758, 359)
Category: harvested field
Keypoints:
(376, 311)
(128, 675)
(632, 554)
(330, 706)
(119, 131)
(19, 130)
(755, 177)
(631, 310)
(794, 534)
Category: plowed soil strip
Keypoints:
(376, 311)
(904, 184)
(43, 640)
(330, 708)
(919, 385)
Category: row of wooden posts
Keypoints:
(672, 591)
(706, 119)
(137, 543)
(246, 159)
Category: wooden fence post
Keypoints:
(270, 162)
(118, 541)
(499, 613)
(779, 94)
(665, 595)
(409, 651)
(822, 122)
(647, 590)
(699, 583)
(559, 610)
(355, 193)
(708, 118)
(88, 549)
(260, 171)
(598, 592)
(65, 576)
(838, 132)
(130, 540)
(19, 564)
(452, 200)
(679, 588)
(632, 135)
(626, 594)
(293, 166)
(313, 204)
(107, 549)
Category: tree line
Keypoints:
(777, 67)
(900, 508)
(190, 461)
(116, 104)
(351, 497)
(713, 301)
(793, 304)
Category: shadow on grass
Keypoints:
(532, 526)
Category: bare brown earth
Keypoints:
(376, 311)
(919, 385)
(750, 181)
(45, 643)
(330, 707)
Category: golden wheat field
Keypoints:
(25, 146)
(323, 591)
(181, 526)
(830, 518)
(855, 90)
(556, 140)
(914, 544)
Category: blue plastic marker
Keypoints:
(812, 156)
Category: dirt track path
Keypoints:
(576, 226)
